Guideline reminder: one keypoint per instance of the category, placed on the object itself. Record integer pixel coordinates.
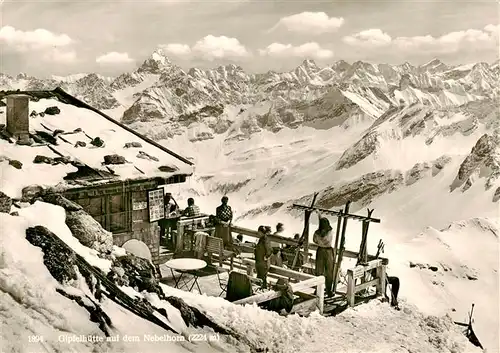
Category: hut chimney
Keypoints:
(18, 116)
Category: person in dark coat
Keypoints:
(394, 283)
(283, 303)
(323, 237)
(224, 217)
(263, 252)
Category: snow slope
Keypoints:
(422, 221)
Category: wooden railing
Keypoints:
(182, 223)
(289, 241)
(304, 281)
(359, 272)
(314, 282)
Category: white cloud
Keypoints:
(47, 45)
(114, 58)
(310, 50)
(369, 38)
(470, 39)
(177, 49)
(210, 48)
(32, 40)
(310, 22)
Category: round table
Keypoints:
(186, 266)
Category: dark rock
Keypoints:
(52, 110)
(25, 142)
(58, 259)
(144, 155)
(87, 230)
(42, 114)
(57, 132)
(15, 213)
(496, 195)
(15, 164)
(42, 159)
(132, 144)
(46, 137)
(118, 276)
(433, 268)
(77, 130)
(5, 203)
(59, 200)
(140, 273)
(31, 192)
(62, 160)
(33, 114)
(114, 159)
(97, 315)
(168, 168)
(471, 277)
(80, 144)
(98, 142)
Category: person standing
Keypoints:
(171, 207)
(263, 252)
(224, 217)
(323, 237)
(169, 223)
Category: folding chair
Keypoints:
(215, 246)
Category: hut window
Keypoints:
(111, 211)
(119, 217)
(95, 207)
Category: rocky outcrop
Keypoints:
(5, 203)
(31, 193)
(88, 231)
(137, 272)
(426, 169)
(59, 261)
(482, 162)
(496, 195)
(361, 190)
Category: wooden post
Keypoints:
(320, 290)
(304, 239)
(337, 236)
(363, 252)
(381, 276)
(179, 241)
(350, 288)
(338, 263)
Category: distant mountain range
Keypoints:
(229, 100)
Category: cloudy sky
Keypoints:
(59, 37)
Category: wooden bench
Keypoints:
(318, 282)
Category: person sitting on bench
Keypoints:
(192, 210)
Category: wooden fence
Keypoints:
(360, 272)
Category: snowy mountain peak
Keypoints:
(156, 63)
(22, 76)
(309, 63)
(70, 78)
(434, 66)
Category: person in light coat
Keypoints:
(323, 237)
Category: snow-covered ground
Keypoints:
(422, 223)
(35, 318)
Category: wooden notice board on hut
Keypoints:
(156, 205)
